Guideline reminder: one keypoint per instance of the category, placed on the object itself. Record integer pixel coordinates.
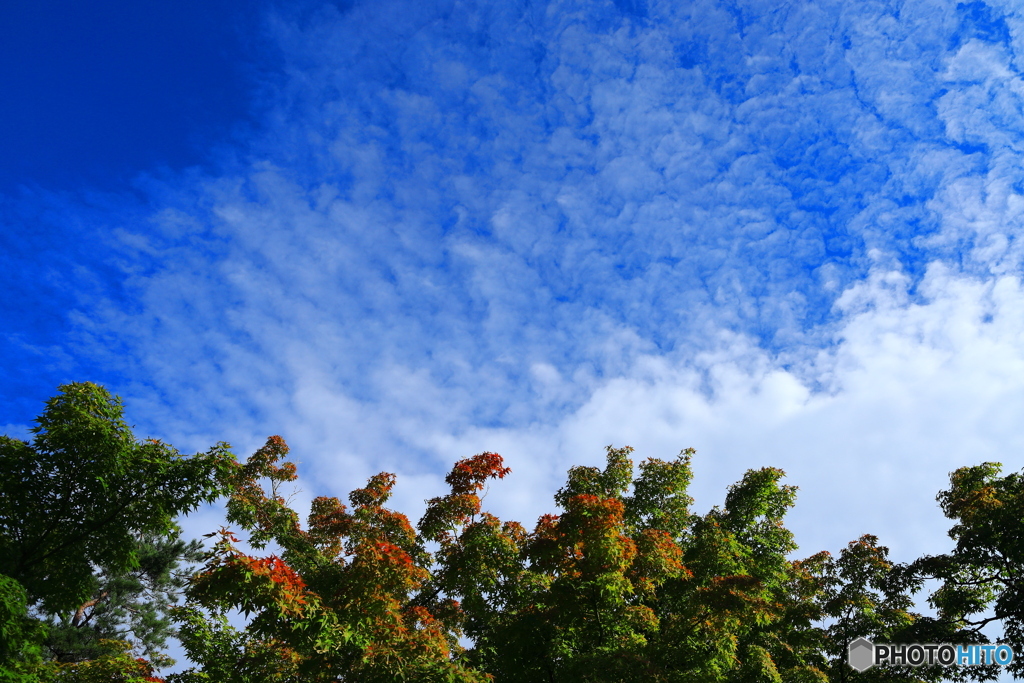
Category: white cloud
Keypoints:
(16, 431)
(541, 243)
(913, 391)
(916, 390)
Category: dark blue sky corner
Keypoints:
(109, 89)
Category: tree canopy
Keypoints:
(622, 582)
(77, 503)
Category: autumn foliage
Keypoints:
(623, 582)
(339, 603)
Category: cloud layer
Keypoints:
(783, 235)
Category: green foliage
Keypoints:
(337, 605)
(225, 655)
(743, 611)
(628, 587)
(76, 498)
(88, 539)
(131, 603)
(863, 594)
(114, 664)
(20, 635)
(984, 572)
(624, 584)
(659, 500)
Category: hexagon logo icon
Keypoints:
(861, 654)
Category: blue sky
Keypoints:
(400, 233)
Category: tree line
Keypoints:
(624, 583)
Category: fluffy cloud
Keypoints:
(467, 221)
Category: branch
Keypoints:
(978, 625)
(80, 619)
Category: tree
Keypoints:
(337, 604)
(626, 584)
(982, 579)
(127, 605)
(75, 502)
(864, 594)
(624, 587)
(570, 600)
(114, 664)
(743, 611)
